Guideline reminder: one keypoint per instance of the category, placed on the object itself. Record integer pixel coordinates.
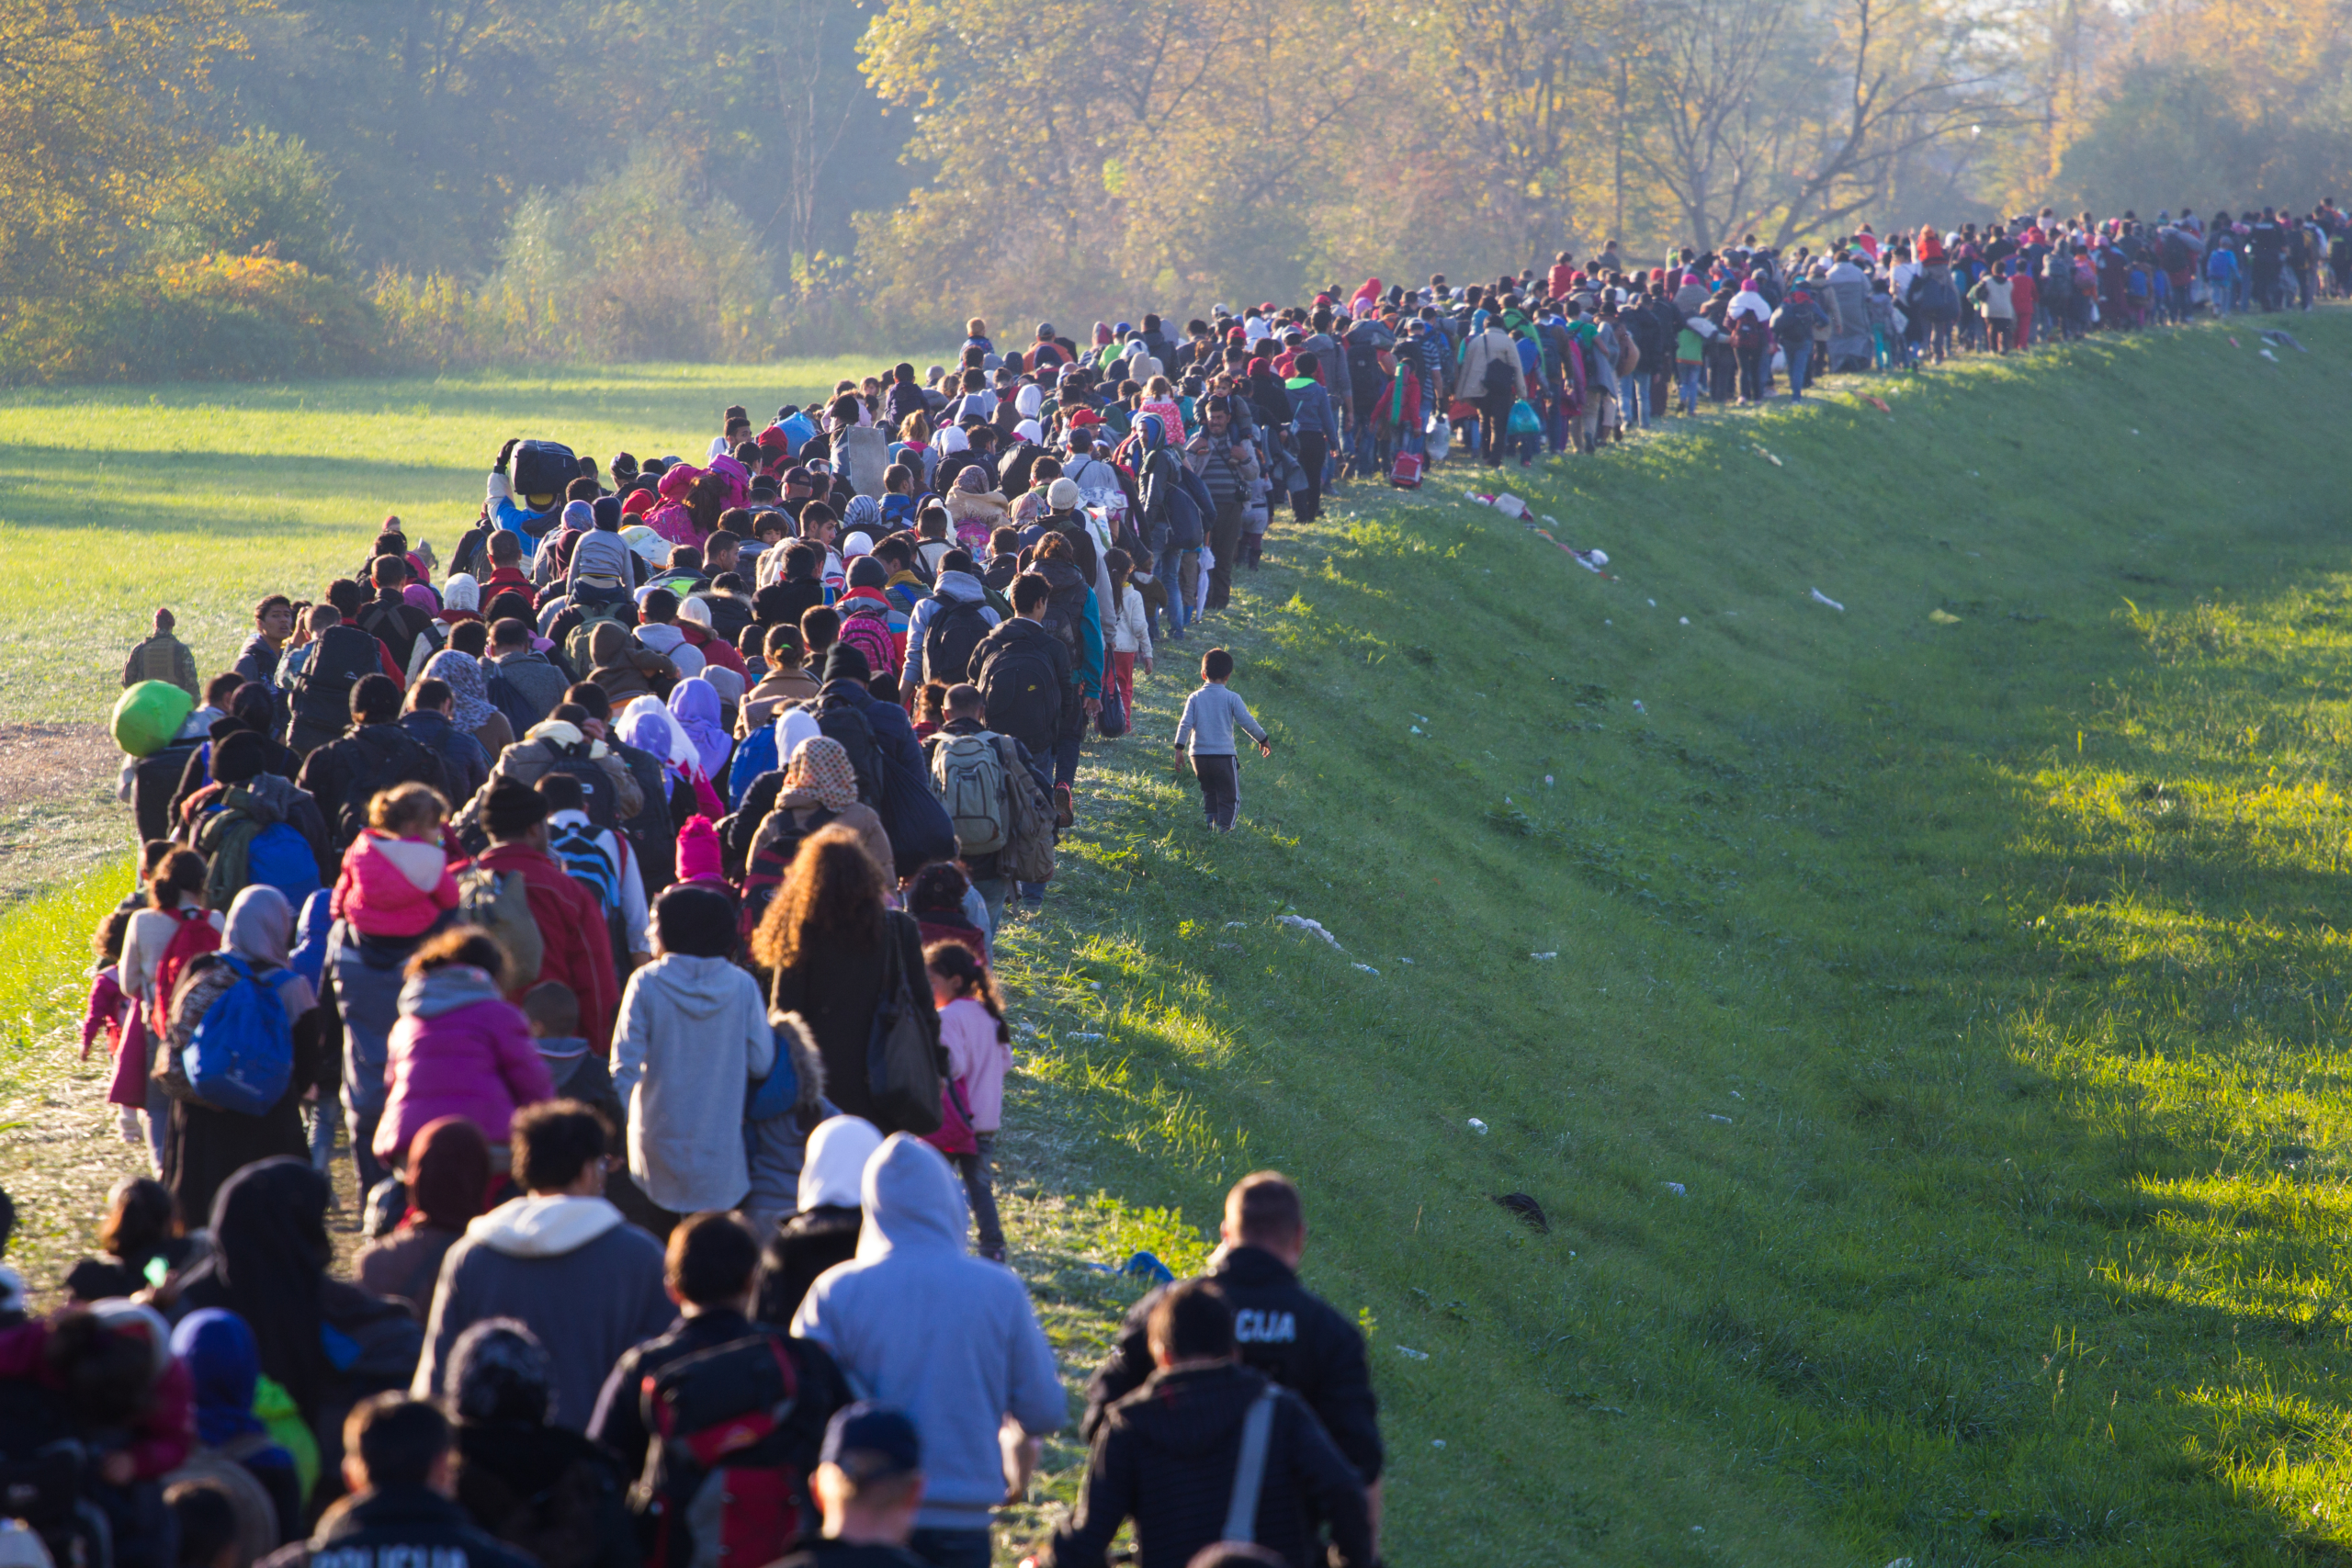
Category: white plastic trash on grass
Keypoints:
(1412, 1355)
(1821, 598)
(1314, 927)
(1477, 1126)
(1367, 969)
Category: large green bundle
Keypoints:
(148, 714)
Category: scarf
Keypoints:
(224, 1363)
(448, 1173)
(820, 775)
(462, 671)
(695, 706)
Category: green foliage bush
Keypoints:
(252, 318)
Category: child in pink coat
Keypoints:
(395, 879)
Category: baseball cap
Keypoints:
(871, 1442)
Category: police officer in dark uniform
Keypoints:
(403, 1510)
(1284, 1330)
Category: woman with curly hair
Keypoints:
(835, 953)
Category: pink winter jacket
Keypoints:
(392, 886)
(459, 1049)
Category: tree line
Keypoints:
(730, 178)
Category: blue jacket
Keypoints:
(1310, 408)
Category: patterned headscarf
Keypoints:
(463, 673)
(821, 773)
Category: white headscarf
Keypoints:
(1028, 402)
(1027, 429)
(834, 1164)
(953, 440)
(462, 593)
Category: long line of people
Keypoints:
(623, 894)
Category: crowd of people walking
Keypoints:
(620, 893)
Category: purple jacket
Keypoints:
(459, 1049)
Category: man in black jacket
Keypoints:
(344, 775)
(1286, 1330)
(339, 655)
(708, 1269)
(1025, 675)
(402, 1506)
(1209, 1451)
(390, 619)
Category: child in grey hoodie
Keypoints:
(693, 1028)
(1211, 715)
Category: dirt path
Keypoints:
(58, 817)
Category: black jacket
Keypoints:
(1038, 721)
(804, 1245)
(384, 752)
(394, 622)
(619, 1422)
(545, 1490)
(1287, 1332)
(397, 1527)
(1166, 1457)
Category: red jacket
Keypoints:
(1563, 278)
(712, 647)
(572, 929)
(165, 1433)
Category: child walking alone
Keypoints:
(979, 1052)
(1211, 715)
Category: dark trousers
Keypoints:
(1225, 543)
(1313, 451)
(979, 1171)
(1494, 423)
(1220, 787)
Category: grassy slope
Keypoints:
(114, 501)
(1979, 981)
(2008, 948)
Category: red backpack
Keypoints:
(194, 939)
(722, 1490)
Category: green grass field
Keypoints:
(1924, 1024)
(205, 497)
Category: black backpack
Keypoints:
(388, 756)
(838, 718)
(1020, 695)
(949, 640)
(603, 808)
(321, 692)
(1497, 379)
(723, 1461)
(544, 467)
(1065, 614)
(772, 856)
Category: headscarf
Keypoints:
(863, 514)
(821, 775)
(1027, 401)
(694, 704)
(268, 1264)
(448, 1173)
(225, 1364)
(793, 726)
(1153, 431)
(1028, 429)
(422, 597)
(647, 724)
(835, 1162)
(953, 440)
(463, 673)
(462, 591)
(260, 927)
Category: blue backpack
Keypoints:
(279, 857)
(241, 1057)
(754, 755)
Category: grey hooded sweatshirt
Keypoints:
(691, 1030)
(919, 1323)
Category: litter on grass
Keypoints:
(1686, 620)
(1412, 1355)
(1367, 969)
(1712, 1117)
(1437, 1442)
(1236, 925)
(1542, 955)
(1527, 1208)
(1638, 707)
(2283, 339)
(1313, 928)
(1675, 1187)
(1943, 617)
(1416, 729)
(1876, 403)
(1477, 1126)
(2267, 354)
(1086, 1037)
(1404, 960)
(1821, 598)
